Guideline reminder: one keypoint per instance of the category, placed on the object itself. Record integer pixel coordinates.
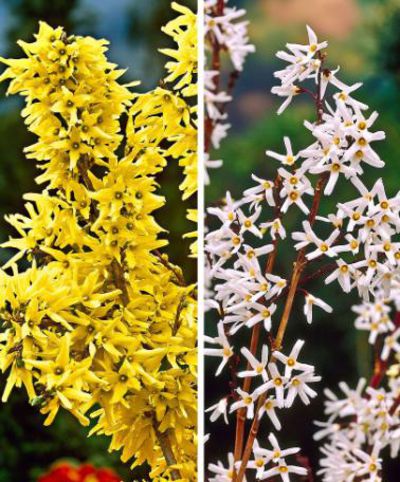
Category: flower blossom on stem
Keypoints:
(225, 35)
(358, 243)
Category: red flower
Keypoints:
(65, 472)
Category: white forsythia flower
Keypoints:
(225, 352)
(246, 401)
(287, 159)
(219, 409)
(227, 32)
(356, 244)
(290, 362)
(269, 407)
(222, 473)
(311, 301)
(258, 368)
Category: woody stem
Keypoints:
(255, 337)
(167, 451)
(298, 268)
(216, 66)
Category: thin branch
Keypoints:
(298, 268)
(255, 335)
(165, 444)
(119, 281)
(179, 277)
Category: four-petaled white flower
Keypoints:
(225, 352)
(219, 409)
(246, 401)
(310, 301)
(291, 363)
(258, 368)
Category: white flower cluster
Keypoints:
(245, 296)
(359, 240)
(225, 34)
(361, 425)
(374, 317)
(262, 458)
(365, 421)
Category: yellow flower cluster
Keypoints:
(102, 324)
(163, 122)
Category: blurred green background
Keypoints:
(364, 39)
(133, 28)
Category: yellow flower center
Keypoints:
(354, 244)
(289, 160)
(362, 142)
(227, 352)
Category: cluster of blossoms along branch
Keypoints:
(365, 421)
(102, 324)
(359, 240)
(225, 35)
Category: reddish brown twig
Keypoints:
(298, 268)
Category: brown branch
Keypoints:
(298, 268)
(119, 281)
(255, 335)
(178, 316)
(165, 444)
(179, 277)
(241, 413)
(327, 269)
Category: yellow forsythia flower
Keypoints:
(102, 318)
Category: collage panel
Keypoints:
(199, 241)
(301, 241)
(98, 116)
